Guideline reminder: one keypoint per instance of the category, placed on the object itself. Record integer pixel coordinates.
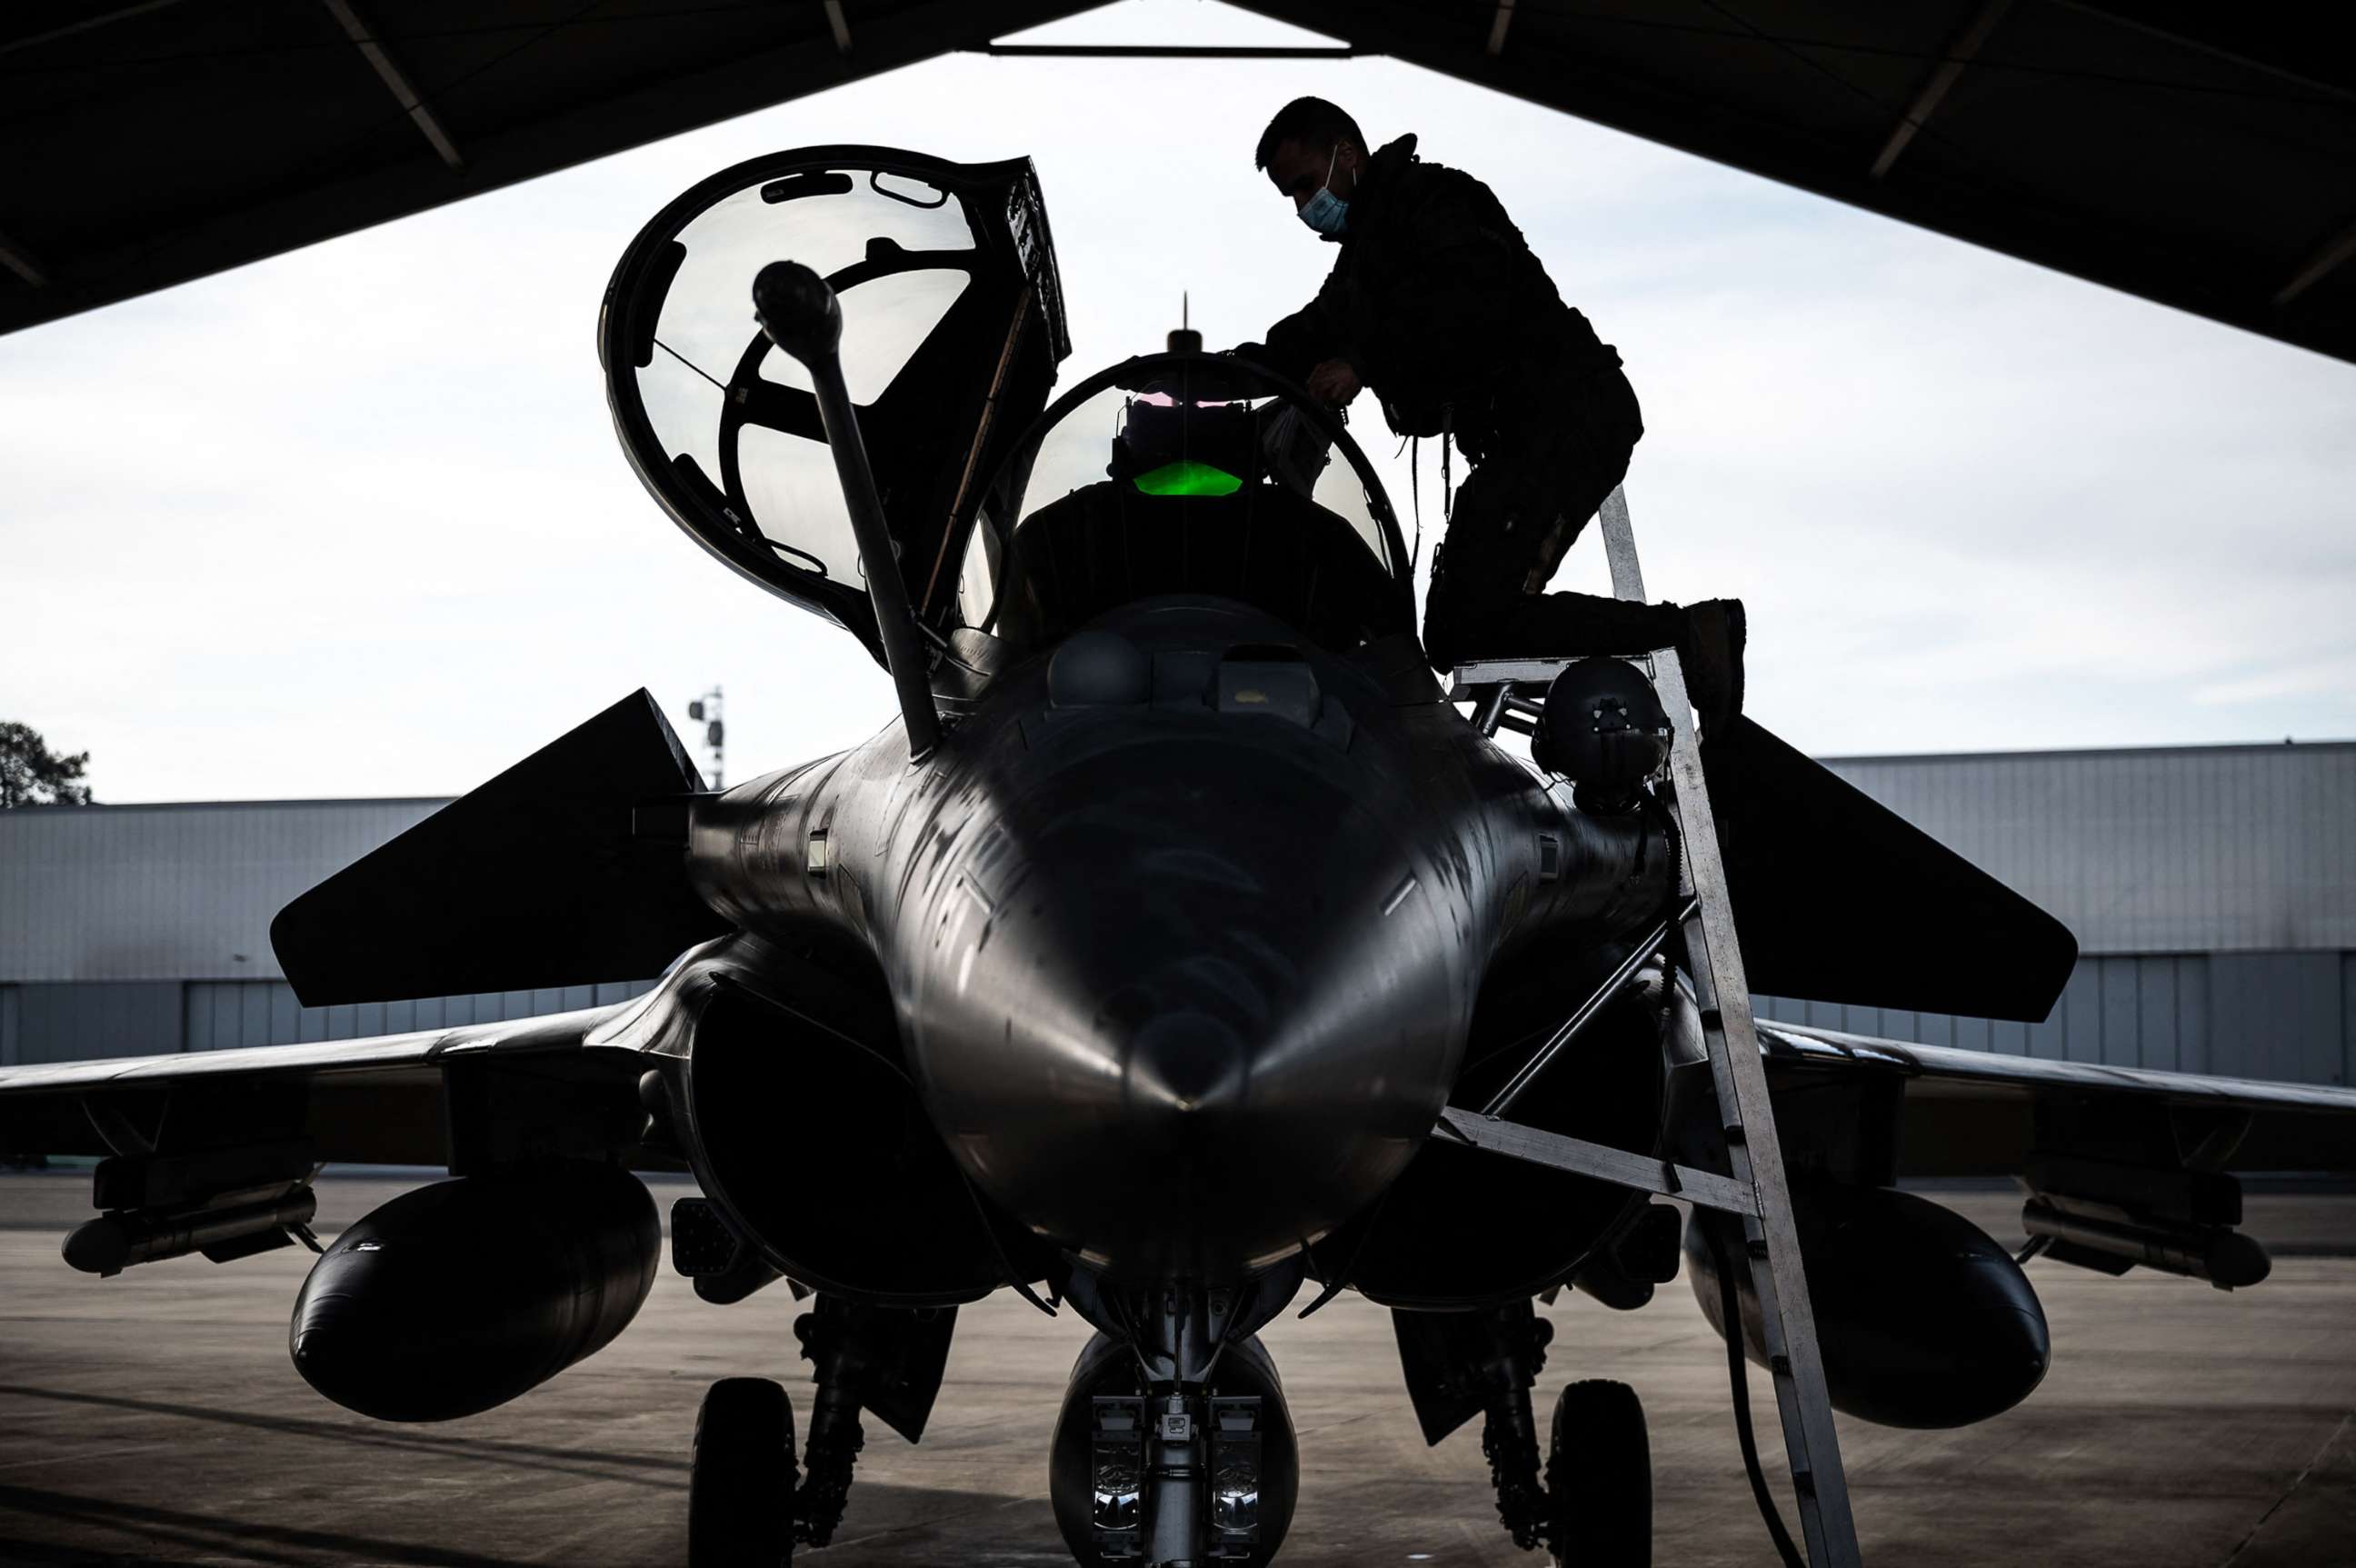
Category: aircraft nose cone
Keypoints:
(1187, 1062)
(1192, 1015)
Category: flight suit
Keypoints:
(1437, 304)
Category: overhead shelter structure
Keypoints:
(2195, 154)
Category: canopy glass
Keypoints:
(1185, 473)
(952, 326)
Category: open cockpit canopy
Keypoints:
(953, 325)
(1185, 473)
(1177, 473)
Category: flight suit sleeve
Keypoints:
(1298, 344)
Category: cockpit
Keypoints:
(1184, 473)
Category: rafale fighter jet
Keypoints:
(1158, 960)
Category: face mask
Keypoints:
(1326, 212)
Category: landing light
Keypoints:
(1185, 477)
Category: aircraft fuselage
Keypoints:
(1185, 924)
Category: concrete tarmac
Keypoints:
(155, 1418)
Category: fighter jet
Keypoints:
(1181, 953)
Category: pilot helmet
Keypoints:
(1174, 441)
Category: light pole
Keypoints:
(705, 711)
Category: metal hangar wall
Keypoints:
(2211, 889)
(131, 930)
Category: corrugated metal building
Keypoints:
(127, 930)
(2212, 891)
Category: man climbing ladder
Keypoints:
(1436, 303)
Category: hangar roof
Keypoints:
(2194, 154)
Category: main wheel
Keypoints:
(740, 1491)
(1600, 1479)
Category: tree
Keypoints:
(33, 775)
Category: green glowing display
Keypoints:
(1185, 477)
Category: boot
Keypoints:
(1709, 647)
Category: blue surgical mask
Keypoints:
(1326, 212)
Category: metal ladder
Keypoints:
(1756, 1188)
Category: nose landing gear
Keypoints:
(1174, 1448)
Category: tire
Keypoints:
(740, 1490)
(1600, 1479)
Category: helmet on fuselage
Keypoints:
(1174, 442)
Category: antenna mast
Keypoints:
(1185, 341)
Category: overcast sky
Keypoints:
(352, 521)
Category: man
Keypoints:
(1437, 305)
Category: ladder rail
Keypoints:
(1754, 1148)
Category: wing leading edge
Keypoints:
(375, 1101)
(2120, 1167)
(1978, 1113)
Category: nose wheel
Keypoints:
(740, 1490)
(1598, 1479)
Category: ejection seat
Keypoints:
(1110, 543)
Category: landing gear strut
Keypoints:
(830, 1342)
(1509, 1438)
(1180, 1334)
